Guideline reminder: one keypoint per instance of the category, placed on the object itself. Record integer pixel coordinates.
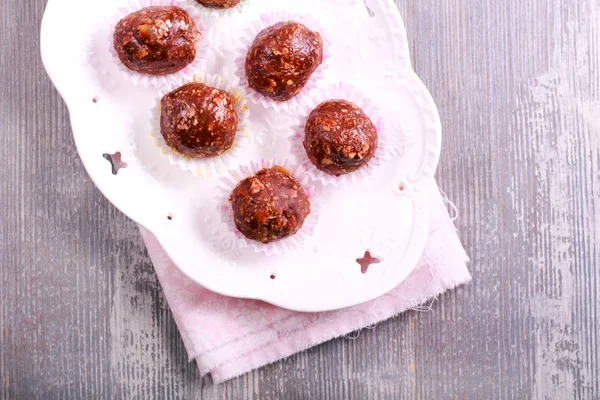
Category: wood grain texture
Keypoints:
(518, 86)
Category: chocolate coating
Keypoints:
(339, 137)
(198, 120)
(219, 3)
(156, 40)
(269, 206)
(282, 59)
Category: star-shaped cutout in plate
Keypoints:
(115, 161)
(367, 261)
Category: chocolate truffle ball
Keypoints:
(198, 121)
(269, 206)
(339, 137)
(156, 40)
(219, 3)
(282, 59)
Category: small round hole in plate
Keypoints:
(170, 217)
(273, 277)
(94, 100)
(402, 188)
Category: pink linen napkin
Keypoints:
(229, 337)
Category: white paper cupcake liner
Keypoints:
(204, 166)
(217, 12)
(227, 184)
(147, 80)
(340, 92)
(246, 41)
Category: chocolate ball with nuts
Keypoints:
(339, 138)
(221, 4)
(198, 120)
(282, 59)
(156, 40)
(269, 206)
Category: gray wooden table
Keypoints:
(518, 86)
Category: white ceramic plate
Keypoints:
(368, 51)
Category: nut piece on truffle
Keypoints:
(282, 59)
(269, 206)
(218, 3)
(198, 121)
(339, 137)
(158, 40)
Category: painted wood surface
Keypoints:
(518, 86)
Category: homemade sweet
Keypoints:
(339, 137)
(219, 3)
(282, 59)
(269, 206)
(158, 40)
(198, 121)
